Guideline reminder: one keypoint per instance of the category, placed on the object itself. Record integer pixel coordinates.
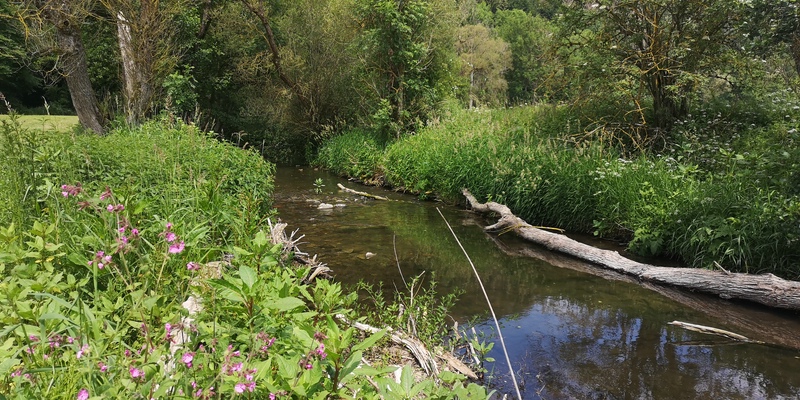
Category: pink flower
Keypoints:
(69, 190)
(83, 395)
(272, 396)
(192, 266)
(136, 373)
(250, 386)
(84, 349)
(236, 367)
(239, 388)
(170, 237)
(187, 359)
(103, 367)
(106, 194)
(110, 208)
(169, 225)
(176, 248)
(135, 232)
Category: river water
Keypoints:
(573, 331)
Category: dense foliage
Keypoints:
(147, 272)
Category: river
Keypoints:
(572, 330)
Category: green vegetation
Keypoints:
(137, 265)
(738, 210)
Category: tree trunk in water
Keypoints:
(75, 69)
(766, 289)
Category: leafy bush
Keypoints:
(355, 153)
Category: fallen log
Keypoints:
(766, 289)
(365, 194)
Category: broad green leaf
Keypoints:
(241, 252)
(261, 239)
(248, 276)
(227, 289)
(370, 341)
(286, 304)
(350, 366)
(7, 364)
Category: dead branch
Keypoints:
(365, 194)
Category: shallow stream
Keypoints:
(572, 330)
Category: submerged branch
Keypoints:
(365, 194)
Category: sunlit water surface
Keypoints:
(572, 331)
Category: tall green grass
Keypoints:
(660, 206)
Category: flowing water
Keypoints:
(572, 330)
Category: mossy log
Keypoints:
(766, 289)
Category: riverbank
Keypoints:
(140, 264)
(702, 214)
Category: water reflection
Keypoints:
(574, 331)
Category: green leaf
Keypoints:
(7, 364)
(370, 341)
(248, 276)
(350, 366)
(227, 289)
(286, 304)
(241, 252)
(261, 239)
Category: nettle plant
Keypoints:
(93, 305)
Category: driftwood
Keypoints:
(766, 289)
(290, 246)
(714, 331)
(417, 349)
(365, 194)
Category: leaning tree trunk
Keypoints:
(75, 68)
(765, 289)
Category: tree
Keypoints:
(16, 80)
(665, 46)
(145, 33)
(403, 45)
(774, 24)
(62, 20)
(484, 61)
(534, 65)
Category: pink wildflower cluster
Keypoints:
(83, 394)
(114, 208)
(202, 394)
(70, 190)
(170, 237)
(266, 343)
(318, 353)
(101, 259)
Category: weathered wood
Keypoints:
(365, 194)
(713, 331)
(766, 289)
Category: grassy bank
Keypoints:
(659, 205)
(137, 265)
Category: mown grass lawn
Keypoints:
(59, 123)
